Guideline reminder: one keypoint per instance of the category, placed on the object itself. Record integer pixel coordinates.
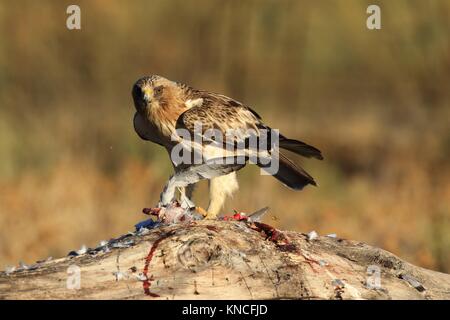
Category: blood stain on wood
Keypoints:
(147, 282)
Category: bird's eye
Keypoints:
(158, 90)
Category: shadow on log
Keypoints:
(225, 260)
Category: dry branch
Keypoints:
(227, 260)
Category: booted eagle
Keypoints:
(165, 107)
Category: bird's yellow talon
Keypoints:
(206, 214)
(202, 211)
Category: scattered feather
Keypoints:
(123, 244)
(338, 283)
(45, 260)
(146, 224)
(323, 263)
(143, 231)
(10, 269)
(312, 235)
(82, 250)
(258, 215)
(119, 275)
(413, 281)
(33, 266)
(141, 277)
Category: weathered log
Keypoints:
(226, 260)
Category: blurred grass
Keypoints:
(73, 171)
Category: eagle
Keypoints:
(164, 107)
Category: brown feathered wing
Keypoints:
(223, 113)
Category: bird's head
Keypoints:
(154, 93)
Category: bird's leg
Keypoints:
(168, 193)
(186, 196)
(180, 179)
(220, 188)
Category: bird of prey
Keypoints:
(163, 107)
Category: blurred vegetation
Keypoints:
(377, 103)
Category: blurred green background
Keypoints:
(377, 103)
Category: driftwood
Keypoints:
(226, 260)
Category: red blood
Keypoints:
(146, 282)
(237, 217)
(212, 228)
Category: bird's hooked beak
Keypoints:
(148, 94)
